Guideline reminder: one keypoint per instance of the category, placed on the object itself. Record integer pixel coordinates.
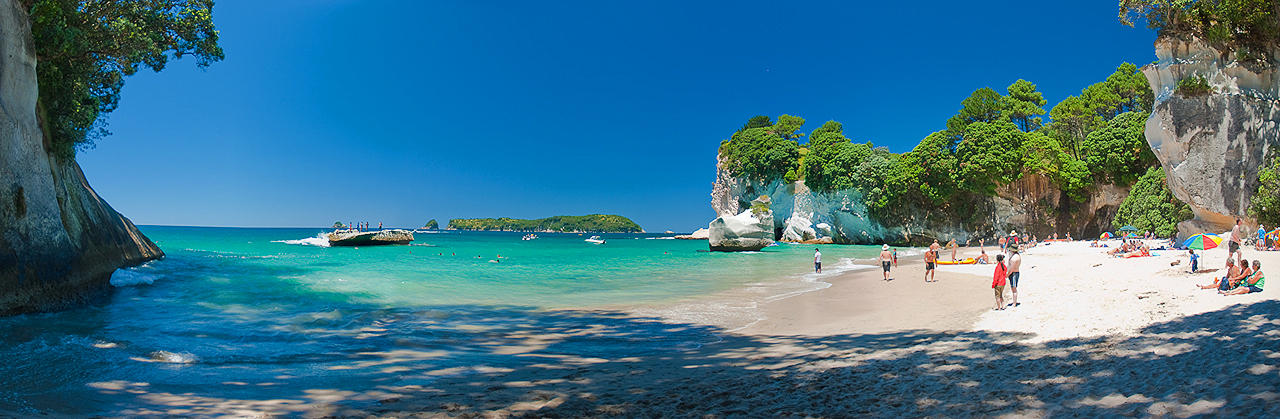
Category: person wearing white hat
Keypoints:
(886, 260)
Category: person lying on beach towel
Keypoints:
(1253, 283)
(1218, 283)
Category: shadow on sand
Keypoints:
(595, 363)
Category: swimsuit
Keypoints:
(885, 264)
(1013, 279)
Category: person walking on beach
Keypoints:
(998, 281)
(934, 248)
(886, 260)
(1234, 246)
(1001, 241)
(895, 257)
(1260, 244)
(952, 244)
(817, 261)
(930, 258)
(1015, 266)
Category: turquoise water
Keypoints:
(257, 314)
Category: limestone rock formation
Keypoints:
(59, 241)
(699, 234)
(750, 230)
(369, 238)
(1211, 146)
(1032, 204)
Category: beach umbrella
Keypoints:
(1202, 241)
(1105, 235)
(1128, 228)
(1275, 234)
(1131, 236)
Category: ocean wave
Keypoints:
(138, 275)
(320, 240)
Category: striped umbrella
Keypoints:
(1274, 234)
(1105, 235)
(1202, 241)
(1131, 236)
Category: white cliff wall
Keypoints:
(1211, 146)
(59, 241)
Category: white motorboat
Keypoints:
(595, 240)
(530, 236)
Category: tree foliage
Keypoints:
(764, 153)
(1251, 27)
(85, 49)
(1265, 206)
(595, 223)
(1151, 206)
(1024, 105)
(1125, 90)
(1118, 152)
(990, 155)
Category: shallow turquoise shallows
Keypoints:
(235, 315)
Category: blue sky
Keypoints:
(403, 111)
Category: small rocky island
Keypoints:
(594, 223)
(369, 238)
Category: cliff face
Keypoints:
(1211, 146)
(1032, 204)
(59, 241)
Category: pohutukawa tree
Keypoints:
(86, 48)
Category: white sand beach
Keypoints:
(1094, 336)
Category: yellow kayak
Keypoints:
(968, 261)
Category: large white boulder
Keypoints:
(749, 230)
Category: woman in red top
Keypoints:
(997, 282)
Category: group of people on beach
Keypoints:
(1241, 276)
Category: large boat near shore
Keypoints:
(369, 238)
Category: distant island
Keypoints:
(432, 225)
(594, 223)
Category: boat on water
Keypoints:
(594, 240)
(369, 238)
(529, 236)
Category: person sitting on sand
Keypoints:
(1015, 268)
(1219, 283)
(983, 259)
(886, 260)
(998, 280)
(1234, 281)
(930, 258)
(1253, 283)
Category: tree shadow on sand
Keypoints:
(522, 362)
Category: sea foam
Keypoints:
(319, 240)
(128, 277)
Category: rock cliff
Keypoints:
(1211, 145)
(1031, 204)
(749, 230)
(59, 241)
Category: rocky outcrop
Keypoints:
(1211, 146)
(369, 238)
(699, 234)
(1032, 204)
(59, 241)
(749, 230)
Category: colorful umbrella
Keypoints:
(1128, 228)
(1202, 241)
(1131, 236)
(1275, 234)
(1105, 235)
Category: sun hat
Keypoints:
(885, 247)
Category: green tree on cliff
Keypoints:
(1265, 206)
(1118, 152)
(983, 105)
(1152, 206)
(1024, 105)
(85, 49)
(990, 155)
(1250, 27)
(764, 153)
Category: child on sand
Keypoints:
(1195, 260)
(998, 281)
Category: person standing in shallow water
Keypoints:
(817, 261)
(1015, 267)
(886, 260)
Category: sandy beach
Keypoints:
(1094, 336)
